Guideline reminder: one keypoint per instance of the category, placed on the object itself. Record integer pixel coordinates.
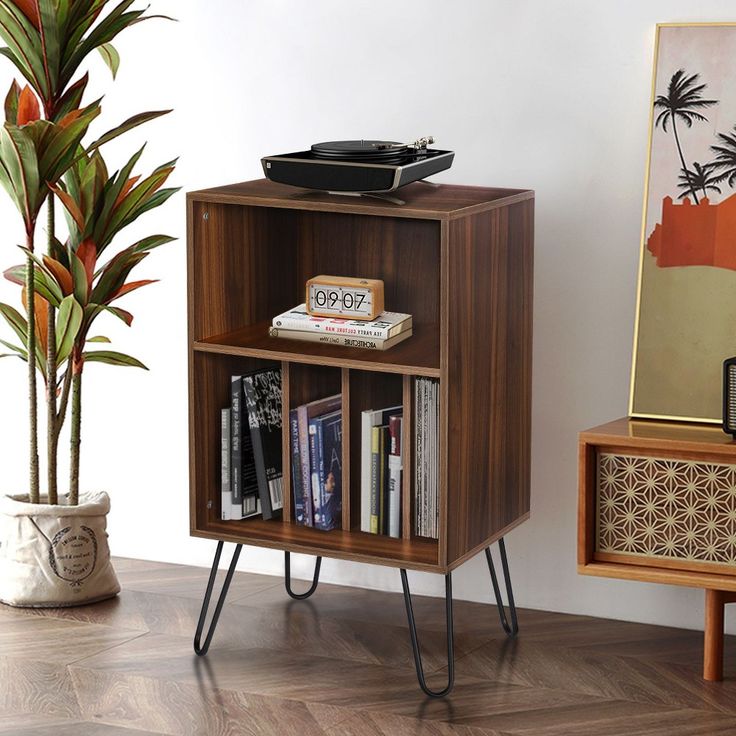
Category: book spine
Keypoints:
(365, 471)
(375, 478)
(427, 455)
(296, 468)
(394, 470)
(305, 465)
(331, 477)
(226, 495)
(315, 461)
(384, 520)
(263, 399)
(367, 343)
(236, 424)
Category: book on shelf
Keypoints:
(369, 419)
(426, 443)
(301, 463)
(384, 327)
(395, 468)
(226, 496)
(263, 404)
(229, 510)
(325, 452)
(243, 480)
(297, 485)
(378, 434)
(349, 341)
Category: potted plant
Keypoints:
(53, 545)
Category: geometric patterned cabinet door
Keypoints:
(657, 504)
(663, 508)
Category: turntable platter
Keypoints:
(362, 150)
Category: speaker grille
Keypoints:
(729, 396)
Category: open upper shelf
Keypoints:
(418, 355)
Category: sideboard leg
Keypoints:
(511, 629)
(713, 638)
(199, 648)
(287, 578)
(415, 640)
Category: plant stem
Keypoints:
(63, 403)
(682, 159)
(51, 383)
(76, 440)
(34, 492)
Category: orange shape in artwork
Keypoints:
(702, 234)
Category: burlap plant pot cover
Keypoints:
(55, 555)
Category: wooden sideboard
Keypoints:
(657, 503)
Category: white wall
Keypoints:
(529, 93)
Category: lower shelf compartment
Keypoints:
(414, 554)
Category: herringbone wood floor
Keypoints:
(340, 664)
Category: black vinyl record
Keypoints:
(362, 150)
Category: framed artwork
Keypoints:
(686, 303)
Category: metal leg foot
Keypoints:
(287, 578)
(415, 640)
(199, 648)
(513, 629)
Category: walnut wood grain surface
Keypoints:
(340, 664)
(488, 408)
(443, 202)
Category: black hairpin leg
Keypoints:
(415, 640)
(513, 629)
(287, 578)
(199, 648)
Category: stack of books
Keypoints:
(251, 460)
(426, 444)
(315, 432)
(382, 333)
(381, 471)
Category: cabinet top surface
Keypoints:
(440, 202)
(650, 433)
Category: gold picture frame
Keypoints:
(674, 374)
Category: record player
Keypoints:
(360, 167)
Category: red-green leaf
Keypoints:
(61, 274)
(16, 320)
(71, 206)
(122, 314)
(28, 107)
(87, 253)
(68, 322)
(131, 286)
(111, 57)
(11, 103)
(127, 125)
(112, 357)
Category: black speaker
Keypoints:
(729, 396)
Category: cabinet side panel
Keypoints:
(489, 281)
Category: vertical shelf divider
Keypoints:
(346, 481)
(287, 513)
(407, 452)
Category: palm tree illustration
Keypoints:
(683, 100)
(725, 160)
(699, 178)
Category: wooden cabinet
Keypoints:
(459, 259)
(657, 503)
